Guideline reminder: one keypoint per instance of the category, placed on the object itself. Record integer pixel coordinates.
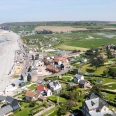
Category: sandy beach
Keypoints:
(7, 55)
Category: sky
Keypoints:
(57, 10)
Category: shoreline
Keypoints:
(7, 56)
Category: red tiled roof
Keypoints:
(40, 88)
(52, 68)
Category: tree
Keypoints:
(108, 53)
(96, 62)
(96, 89)
(62, 109)
(112, 72)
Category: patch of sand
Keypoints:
(59, 28)
(18, 69)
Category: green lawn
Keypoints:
(107, 80)
(25, 110)
(56, 98)
(32, 87)
(52, 112)
(110, 96)
(90, 69)
(66, 78)
(111, 86)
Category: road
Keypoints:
(27, 60)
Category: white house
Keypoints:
(78, 77)
(83, 60)
(54, 85)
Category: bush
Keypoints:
(31, 104)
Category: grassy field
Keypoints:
(25, 110)
(92, 43)
(90, 69)
(111, 86)
(67, 47)
(55, 98)
(52, 112)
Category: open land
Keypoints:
(58, 28)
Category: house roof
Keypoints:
(5, 110)
(30, 94)
(53, 83)
(40, 88)
(95, 102)
(78, 76)
(2, 98)
(92, 103)
(52, 68)
(9, 99)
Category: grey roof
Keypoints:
(95, 102)
(78, 76)
(53, 83)
(2, 98)
(5, 110)
(92, 103)
(101, 102)
(9, 99)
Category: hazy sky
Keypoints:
(57, 10)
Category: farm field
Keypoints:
(67, 47)
(90, 69)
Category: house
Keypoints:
(43, 91)
(95, 106)
(29, 95)
(84, 84)
(101, 56)
(5, 110)
(12, 102)
(54, 85)
(83, 60)
(74, 55)
(78, 77)
(63, 53)
(52, 69)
